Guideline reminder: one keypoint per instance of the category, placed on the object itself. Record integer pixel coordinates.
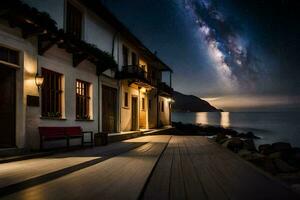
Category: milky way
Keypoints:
(229, 51)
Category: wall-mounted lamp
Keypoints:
(39, 80)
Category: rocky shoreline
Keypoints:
(279, 159)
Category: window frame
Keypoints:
(77, 8)
(8, 60)
(143, 103)
(126, 100)
(51, 92)
(134, 58)
(83, 100)
(125, 57)
(149, 104)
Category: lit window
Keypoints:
(82, 100)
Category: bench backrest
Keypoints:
(73, 131)
(52, 131)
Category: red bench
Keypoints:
(63, 133)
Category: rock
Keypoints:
(235, 144)
(296, 188)
(270, 167)
(276, 155)
(251, 156)
(249, 145)
(248, 135)
(292, 157)
(223, 141)
(284, 167)
(281, 146)
(296, 156)
(220, 136)
(244, 153)
(266, 149)
(252, 136)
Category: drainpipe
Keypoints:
(157, 109)
(99, 105)
(119, 103)
(170, 105)
(139, 108)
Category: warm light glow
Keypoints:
(225, 119)
(201, 118)
(170, 100)
(143, 64)
(143, 90)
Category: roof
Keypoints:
(97, 7)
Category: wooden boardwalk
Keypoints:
(150, 167)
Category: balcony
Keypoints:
(164, 89)
(136, 75)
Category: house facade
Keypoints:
(96, 73)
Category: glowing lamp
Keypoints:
(39, 80)
(143, 90)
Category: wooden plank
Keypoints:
(193, 168)
(159, 185)
(190, 168)
(236, 178)
(177, 186)
(200, 159)
(121, 177)
(194, 187)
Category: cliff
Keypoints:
(191, 103)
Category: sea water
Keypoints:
(270, 126)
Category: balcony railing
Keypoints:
(134, 72)
(165, 89)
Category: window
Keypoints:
(143, 103)
(125, 55)
(51, 94)
(82, 100)
(149, 104)
(162, 106)
(133, 59)
(8, 55)
(74, 21)
(126, 99)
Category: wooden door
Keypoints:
(134, 113)
(7, 106)
(109, 109)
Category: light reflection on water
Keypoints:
(201, 118)
(225, 119)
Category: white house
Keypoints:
(97, 74)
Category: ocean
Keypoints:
(270, 126)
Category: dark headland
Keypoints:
(191, 103)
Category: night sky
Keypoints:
(238, 55)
